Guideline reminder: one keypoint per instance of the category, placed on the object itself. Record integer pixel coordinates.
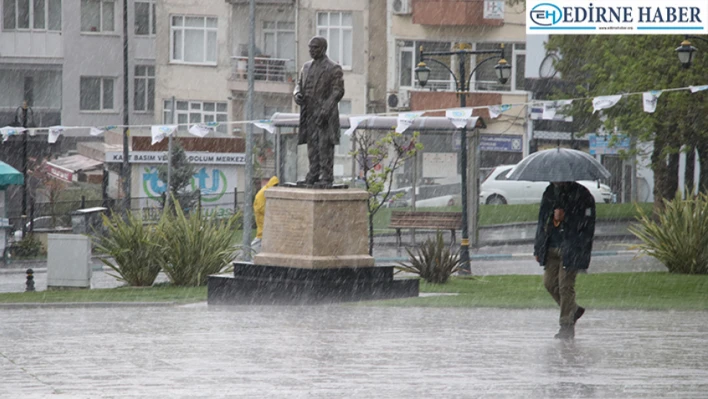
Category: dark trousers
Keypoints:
(560, 283)
(321, 155)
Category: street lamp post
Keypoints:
(22, 114)
(462, 84)
(685, 51)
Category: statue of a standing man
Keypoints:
(318, 91)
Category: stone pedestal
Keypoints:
(314, 250)
(315, 229)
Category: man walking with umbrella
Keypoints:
(564, 235)
(566, 223)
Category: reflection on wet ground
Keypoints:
(349, 351)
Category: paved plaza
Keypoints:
(351, 351)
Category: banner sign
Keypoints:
(500, 142)
(619, 17)
(600, 145)
(208, 158)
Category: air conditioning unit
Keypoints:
(402, 7)
(399, 101)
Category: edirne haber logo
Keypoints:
(577, 17)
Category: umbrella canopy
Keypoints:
(559, 164)
(9, 176)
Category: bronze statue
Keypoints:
(318, 91)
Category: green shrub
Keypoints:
(679, 239)
(433, 261)
(28, 247)
(133, 247)
(195, 245)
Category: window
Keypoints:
(145, 18)
(193, 40)
(32, 14)
(440, 78)
(97, 16)
(336, 27)
(279, 39)
(486, 78)
(144, 95)
(345, 108)
(189, 112)
(96, 94)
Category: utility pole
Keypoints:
(24, 167)
(248, 201)
(126, 112)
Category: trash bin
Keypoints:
(87, 221)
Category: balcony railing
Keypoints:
(265, 69)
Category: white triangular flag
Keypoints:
(354, 122)
(405, 120)
(199, 129)
(96, 131)
(496, 110)
(265, 125)
(650, 99)
(459, 116)
(551, 107)
(32, 132)
(54, 133)
(604, 102)
(8, 131)
(159, 132)
(695, 89)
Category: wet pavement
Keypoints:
(348, 351)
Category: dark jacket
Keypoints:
(328, 90)
(578, 227)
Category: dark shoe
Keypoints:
(578, 313)
(566, 332)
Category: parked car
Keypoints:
(427, 197)
(45, 223)
(497, 190)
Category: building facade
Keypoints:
(447, 25)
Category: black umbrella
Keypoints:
(559, 164)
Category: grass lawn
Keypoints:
(500, 214)
(646, 291)
(123, 294)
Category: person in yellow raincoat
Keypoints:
(259, 207)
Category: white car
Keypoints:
(497, 190)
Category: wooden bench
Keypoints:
(424, 220)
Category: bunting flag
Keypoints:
(97, 131)
(8, 131)
(405, 120)
(159, 132)
(54, 133)
(604, 102)
(354, 122)
(202, 129)
(649, 99)
(32, 132)
(496, 110)
(695, 89)
(265, 125)
(551, 107)
(459, 116)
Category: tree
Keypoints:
(605, 65)
(180, 179)
(378, 159)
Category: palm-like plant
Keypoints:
(129, 249)
(679, 239)
(433, 261)
(195, 245)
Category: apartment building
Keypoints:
(283, 30)
(65, 58)
(446, 25)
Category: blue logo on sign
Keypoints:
(546, 14)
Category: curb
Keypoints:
(35, 305)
